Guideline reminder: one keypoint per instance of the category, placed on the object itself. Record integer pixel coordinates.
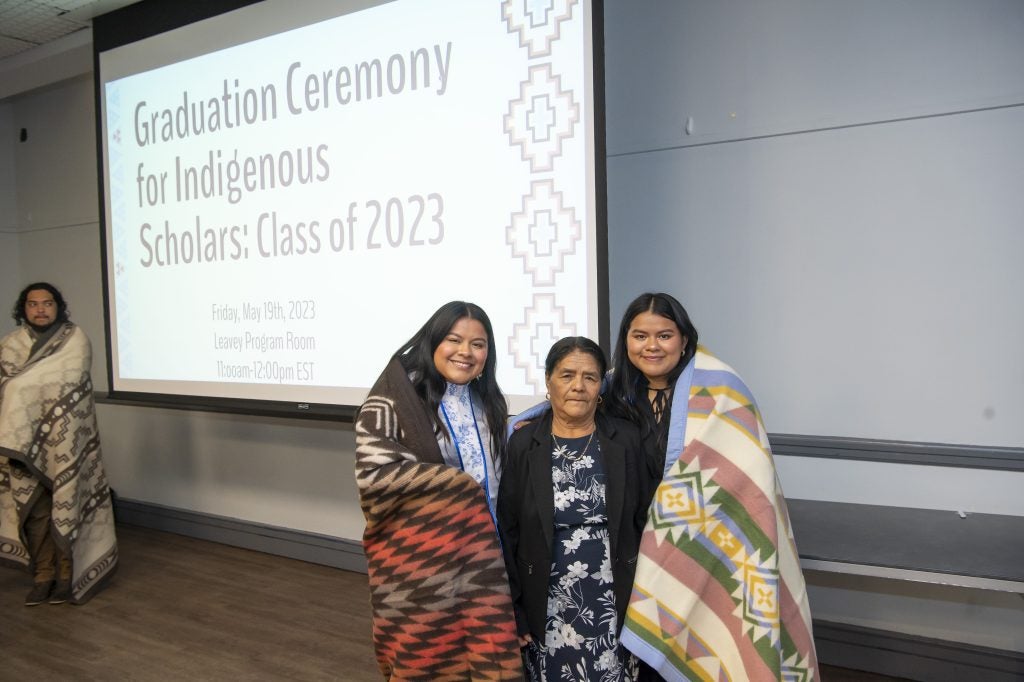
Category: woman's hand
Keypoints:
(525, 640)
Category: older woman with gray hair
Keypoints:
(570, 510)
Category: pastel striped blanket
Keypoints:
(438, 588)
(718, 593)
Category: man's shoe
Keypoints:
(61, 593)
(38, 594)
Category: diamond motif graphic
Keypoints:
(758, 596)
(762, 596)
(682, 505)
(728, 544)
(543, 233)
(542, 118)
(678, 501)
(537, 22)
(543, 324)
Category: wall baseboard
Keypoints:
(912, 657)
(294, 544)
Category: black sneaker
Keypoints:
(61, 593)
(38, 594)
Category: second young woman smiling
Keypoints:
(702, 430)
(655, 346)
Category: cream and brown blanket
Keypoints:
(440, 596)
(718, 593)
(48, 427)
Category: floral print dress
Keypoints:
(580, 641)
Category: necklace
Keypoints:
(565, 450)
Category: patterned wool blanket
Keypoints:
(440, 596)
(48, 425)
(718, 593)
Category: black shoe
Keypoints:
(38, 593)
(61, 593)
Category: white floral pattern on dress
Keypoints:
(580, 642)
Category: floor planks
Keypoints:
(187, 609)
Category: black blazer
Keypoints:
(526, 509)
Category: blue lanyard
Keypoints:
(483, 453)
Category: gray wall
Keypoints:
(765, 221)
(10, 274)
(844, 222)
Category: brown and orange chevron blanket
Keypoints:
(48, 429)
(440, 596)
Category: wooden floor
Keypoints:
(186, 609)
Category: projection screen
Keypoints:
(291, 189)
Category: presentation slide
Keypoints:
(292, 189)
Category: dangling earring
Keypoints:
(547, 396)
(600, 400)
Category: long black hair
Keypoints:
(628, 386)
(19, 308)
(417, 357)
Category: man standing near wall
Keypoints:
(55, 509)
